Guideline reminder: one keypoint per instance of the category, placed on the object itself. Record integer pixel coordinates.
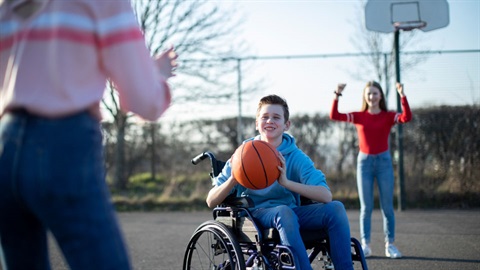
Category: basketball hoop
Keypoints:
(409, 26)
(388, 16)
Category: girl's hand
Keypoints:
(400, 89)
(166, 62)
(340, 87)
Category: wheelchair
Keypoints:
(232, 240)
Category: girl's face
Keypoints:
(271, 124)
(372, 96)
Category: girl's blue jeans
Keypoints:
(52, 179)
(369, 168)
(329, 217)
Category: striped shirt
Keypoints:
(373, 129)
(57, 61)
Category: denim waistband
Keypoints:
(24, 113)
(374, 155)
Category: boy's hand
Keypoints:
(282, 180)
(233, 180)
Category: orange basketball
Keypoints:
(255, 164)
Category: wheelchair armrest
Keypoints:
(244, 202)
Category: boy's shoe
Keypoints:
(367, 252)
(391, 251)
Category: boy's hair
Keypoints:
(381, 104)
(274, 100)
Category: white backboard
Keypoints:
(386, 15)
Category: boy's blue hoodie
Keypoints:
(300, 168)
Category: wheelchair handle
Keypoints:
(201, 157)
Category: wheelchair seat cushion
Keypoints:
(243, 202)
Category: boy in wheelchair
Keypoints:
(278, 206)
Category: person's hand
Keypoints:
(166, 62)
(400, 89)
(232, 180)
(340, 87)
(282, 180)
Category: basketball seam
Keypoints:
(275, 154)
(261, 161)
(244, 171)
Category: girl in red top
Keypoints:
(373, 124)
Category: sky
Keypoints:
(324, 27)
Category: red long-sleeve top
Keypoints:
(373, 129)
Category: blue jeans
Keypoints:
(52, 178)
(369, 168)
(330, 217)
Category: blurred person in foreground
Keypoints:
(56, 57)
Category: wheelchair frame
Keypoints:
(232, 240)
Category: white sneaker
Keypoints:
(367, 251)
(391, 251)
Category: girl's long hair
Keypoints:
(381, 104)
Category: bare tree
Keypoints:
(199, 29)
(378, 61)
(204, 35)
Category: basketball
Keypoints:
(255, 164)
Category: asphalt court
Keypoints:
(428, 239)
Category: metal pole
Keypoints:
(239, 85)
(387, 78)
(401, 182)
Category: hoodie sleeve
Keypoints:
(223, 176)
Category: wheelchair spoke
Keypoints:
(211, 249)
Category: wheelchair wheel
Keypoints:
(213, 246)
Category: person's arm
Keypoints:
(140, 80)
(316, 193)
(334, 114)
(218, 193)
(406, 114)
(167, 62)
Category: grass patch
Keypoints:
(188, 193)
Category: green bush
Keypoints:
(144, 183)
(188, 192)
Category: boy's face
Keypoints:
(270, 122)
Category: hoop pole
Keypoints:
(239, 117)
(401, 181)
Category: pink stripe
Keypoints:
(75, 36)
(131, 34)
